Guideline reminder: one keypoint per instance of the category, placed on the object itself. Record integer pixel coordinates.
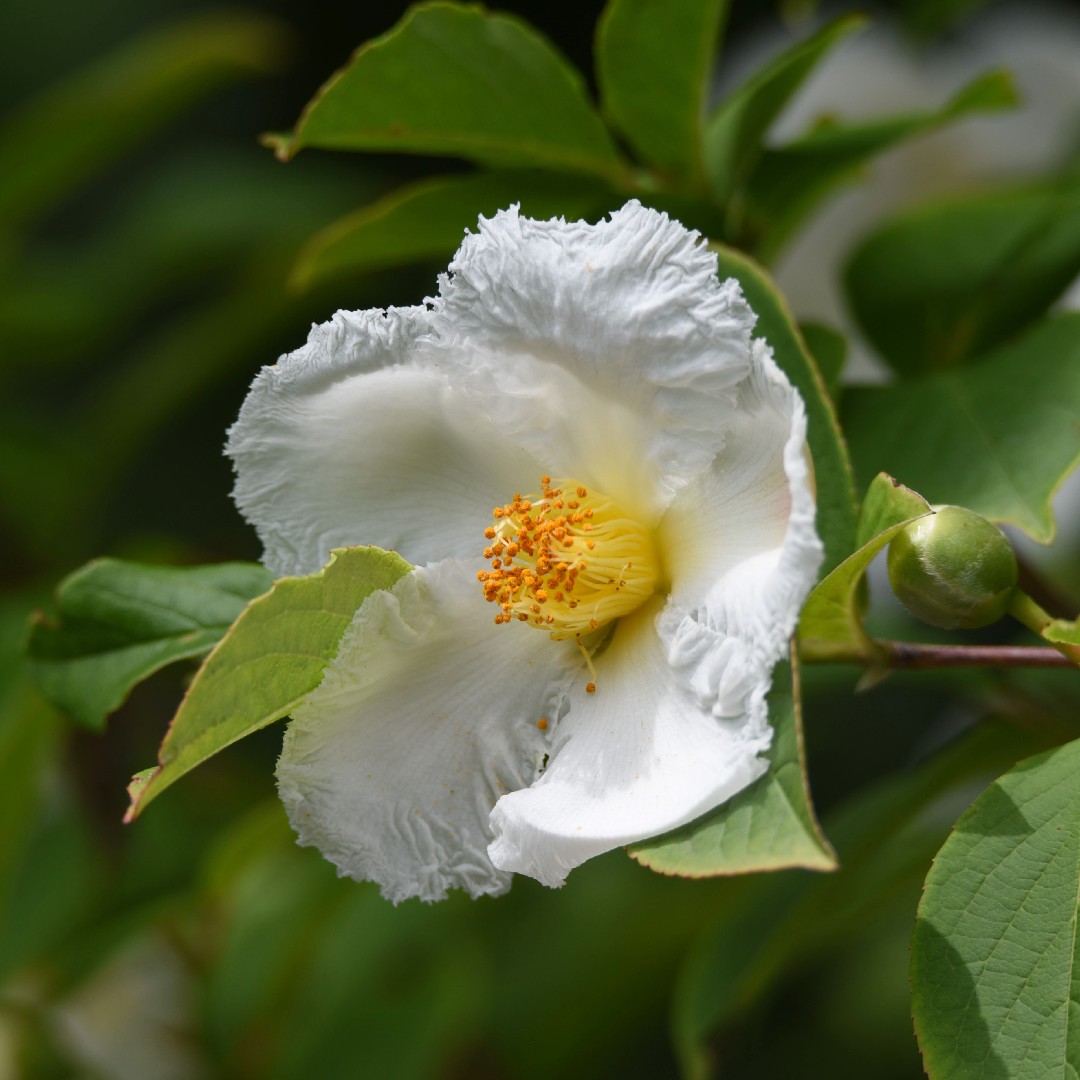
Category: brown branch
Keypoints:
(909, 654)
(883, 655)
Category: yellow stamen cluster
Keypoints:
(567, 560)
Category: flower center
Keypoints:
(567, 561)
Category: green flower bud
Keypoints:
(953, 569)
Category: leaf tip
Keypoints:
(284, 145)
(992, 91)
(137, 792)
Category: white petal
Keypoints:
(611, 351)
(739, 543)
(425, 717)
(644, 754)
(361, 438)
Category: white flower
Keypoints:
(603, 365)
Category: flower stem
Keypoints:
(1024, 610)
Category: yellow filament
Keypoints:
(568, 560)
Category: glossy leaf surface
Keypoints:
(118, 622)
(457, 80)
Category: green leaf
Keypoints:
(829, 349)
(836, 505)
(767, 826)
(453, 79)
(830, 626)
(118, 622)
(943, 283)
(1063, 630)
(735, 133)
(427, 220)
(1063, 634)
(57, 141)
(995, 956)
(270, 659)
(930, 19)
(888, 503)
(790, 181)
(767, 927)
(653, 63)
(997, 437)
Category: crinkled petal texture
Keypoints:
(362, 436)
(740, 544)
(606, 353)
(680, 719)
(609, 353)
(428, 714)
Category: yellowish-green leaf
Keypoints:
(1063, 634)
(830, 626)
(270, 659)
(1063, 630)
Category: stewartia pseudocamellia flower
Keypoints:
(602, 483)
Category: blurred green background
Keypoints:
(145, 243)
